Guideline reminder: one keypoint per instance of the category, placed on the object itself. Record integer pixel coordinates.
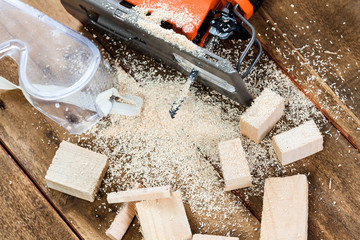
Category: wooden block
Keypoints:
(122, 221)
(285, 208)
(76, 171)
(141, 194)
(298, 143)
(263, 114)
(164, 219)
(234, 165)
(212, 237)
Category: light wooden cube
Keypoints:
(212, 237)
(298, 143)
(76, 171)
(121, 222)
(285, 208)
(235, 168)
(141, 194)
(263, 114)
(164, 219)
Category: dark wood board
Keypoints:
(316, 43)
(29, 135)
(25, 213)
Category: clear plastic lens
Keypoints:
(61, 72)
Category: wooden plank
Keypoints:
(141, 194)
(25, 213)
(235, 168)
(301, 36)
(121, 222)
(298, 143)
(285, 209)
(263, 114)
(164, 219)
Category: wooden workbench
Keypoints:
(29, 210)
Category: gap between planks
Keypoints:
(26, 174)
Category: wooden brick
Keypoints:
(141, 194)
(122, 221)
(298, 143)
(285, 208)
(234, 165)
(263, 114)
(76, 171)
(212, 237)
(164, 219)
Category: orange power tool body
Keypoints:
(210, 22)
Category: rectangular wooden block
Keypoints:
(164, 219)
(212, 237)
(122, 221)
(235, 168)
(76, 171)
(298, 143)
(285, 208)
(140, 194)
(263, 114)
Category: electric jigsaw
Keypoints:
(210, 21)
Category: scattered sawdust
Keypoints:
(156, 150)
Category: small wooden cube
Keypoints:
(164, 219)
(235, 168)
(263, 114)
(212, 237)
(298, 143)
(285, 208)
(76, 171)
(141, 194)
(122, 221)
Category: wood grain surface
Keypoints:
(30, 135)
(333, 211)
(25, 213)
(316, 43)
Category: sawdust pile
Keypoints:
(156, 150)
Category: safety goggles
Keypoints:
(61, 73)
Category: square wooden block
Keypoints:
(164, 219)
(76, 171)
(285, 208)
(298, 143)
(263, 114)
(235, 168)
